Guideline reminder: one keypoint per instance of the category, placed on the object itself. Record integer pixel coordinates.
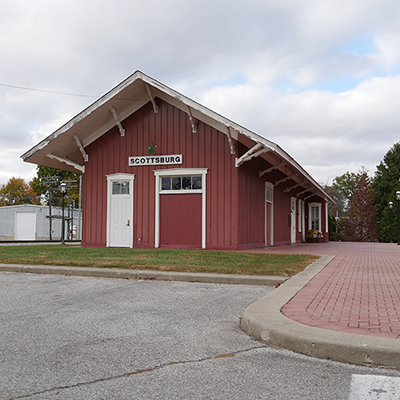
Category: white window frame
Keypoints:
(110, 179)
(269, 185)
(326, 218)
(299, 214)
(310, 205)
(303, 220)
(159, 173)
(293, 221)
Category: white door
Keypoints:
(293, 220)
(120, 210)
(25, 226)
(120, 221)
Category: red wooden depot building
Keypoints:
(160, 170)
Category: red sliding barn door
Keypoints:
(180, 220)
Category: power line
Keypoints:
(46, 91)
(62, 93)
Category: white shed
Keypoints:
(31, 222)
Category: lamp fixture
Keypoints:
(63, 188)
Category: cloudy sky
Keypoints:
(319, 77)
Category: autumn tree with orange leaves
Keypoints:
(15, 192)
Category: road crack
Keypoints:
(139, 371)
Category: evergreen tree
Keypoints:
(385, 184)
(388, 223)
(361, 222)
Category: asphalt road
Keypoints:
(65, 337)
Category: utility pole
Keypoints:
(53, 183)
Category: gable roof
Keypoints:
(65, 148)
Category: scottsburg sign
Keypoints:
(155, 160)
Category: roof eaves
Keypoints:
(83, 114)
(186, 101)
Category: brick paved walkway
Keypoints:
(358, 292)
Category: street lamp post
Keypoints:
(398, 215)
(63, 188)
(391, 220)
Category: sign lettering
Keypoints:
(155, 160)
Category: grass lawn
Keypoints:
(223, 262)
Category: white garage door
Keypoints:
(25, 226)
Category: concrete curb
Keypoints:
(143, 274)
(264, 320)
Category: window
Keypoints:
(314, 216)
(120, 187)
(268, 194)
(181, 183)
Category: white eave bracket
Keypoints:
(77, 166)
(285, 179)
(120, 127)
(250, 154)
(295, 186)
(152, 99)
(305, 191)
(82, 150)
(271, 169)
(231, 145)
(311, 195)
(192, 120)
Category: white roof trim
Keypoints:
(158, 89)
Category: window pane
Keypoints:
(176, 183)
(196, 182)
(315, 217)
(115, 188)
(125, 187)
(121, 187)
(186, 182)
(269, 195)
(165, 183)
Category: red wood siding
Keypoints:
(180, 220)
(251, 204)
(171, 131)
(282, 212)
(235, 197)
